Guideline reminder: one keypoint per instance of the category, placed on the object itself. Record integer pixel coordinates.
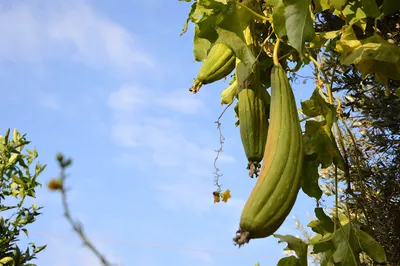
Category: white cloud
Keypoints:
(53, 30)
(130, 97)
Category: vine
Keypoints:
(311, 34)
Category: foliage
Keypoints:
(18, 182)
(355, 38)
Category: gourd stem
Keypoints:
(258, 16)
(275, 54)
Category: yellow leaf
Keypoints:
(14, 192)
(216, 196)
(226, 195)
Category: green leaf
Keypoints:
(322, 247)
(12, 159)
(318, 139)
(354, 13)
(373, 55)
(370, 246)
(388, 7)
(321, 5)
(297, 245)
(371, 8)
(345, 250)
(37, 250)
(322, 37)
(293, 19)
(223, 22)
(318, 136)
(6, 260)
(316, 106)
(325, 221)
(338, 4)
(310, 177)
(191, 16)
(17, 180)
(397, 92)
(289, 261)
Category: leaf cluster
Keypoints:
(18, 178)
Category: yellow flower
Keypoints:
(216, 196)
(226, 195)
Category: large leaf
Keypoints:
(354, 13)
(310, 177)
(325, 221)
(322, 37)
(222, 22)
(371, 8)
(388, 7)
(318, 137)
(323, 225)
(316, 106)
(292, 18)
(370, 246)
(346, 243)
(373, 55)
(289, 261)
(321, 5)
(338, 4)
(346, 251)
(297, 245)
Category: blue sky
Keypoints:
(107, 84)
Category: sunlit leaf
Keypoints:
(354, 13)
(373, 55)
(338, 4)
(292, 18)
(321, 5)
(297, 245)
(289, 261)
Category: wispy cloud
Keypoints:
(156, 121)
(131, 97)
(68, 30)
(48, 100)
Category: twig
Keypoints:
(76, 226)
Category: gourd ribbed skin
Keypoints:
(253, 119)
(253, 114)
(279, 180)
(219, 63)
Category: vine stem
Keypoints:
(275, 54)
(221, 143)
(263, 18)
(330, 96)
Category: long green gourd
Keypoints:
(253, 115)
(279, 180)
